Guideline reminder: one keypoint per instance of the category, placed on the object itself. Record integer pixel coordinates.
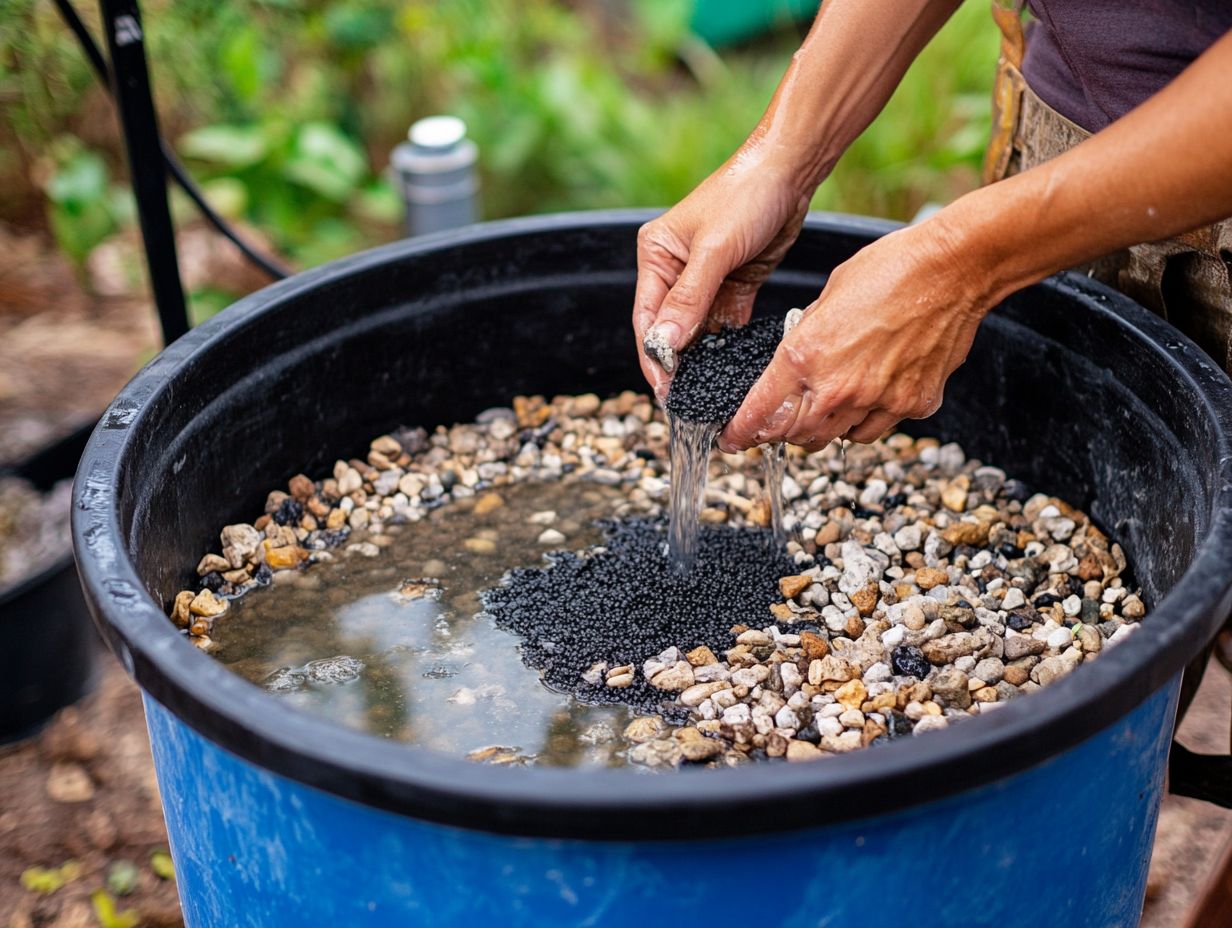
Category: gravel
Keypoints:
(918, 588)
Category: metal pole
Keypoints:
(130, 79)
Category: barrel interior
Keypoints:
(1072, 401)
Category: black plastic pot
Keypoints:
(1069, 386)
(48, 647)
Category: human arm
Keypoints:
(895, 320)
(704, 260)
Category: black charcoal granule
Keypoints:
(717, 371)
(621, 603)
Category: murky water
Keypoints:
(397, 645)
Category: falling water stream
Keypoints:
(690, 454)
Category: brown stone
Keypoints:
(928, 577)
(386, 445)
(1016, 676)
(336, 519)
(865, 601)
(815, 646)
(829, 533)
(854, 627)
(782, 611)
(284, 557)
(301, 487)
(1089, 568)
(793, 586)
(966, 533)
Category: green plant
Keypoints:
(108, 917)
(47, 880)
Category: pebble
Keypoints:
(717, 370)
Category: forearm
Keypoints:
(841, 77)
(1163, 169)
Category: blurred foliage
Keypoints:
(286, 110)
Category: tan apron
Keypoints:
(1186, 280)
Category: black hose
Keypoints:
(271, 266)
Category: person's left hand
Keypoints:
(893, 322)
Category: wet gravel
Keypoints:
(591, 611)
(717, 371)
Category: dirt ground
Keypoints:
(83, 790)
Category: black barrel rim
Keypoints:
(621, 804)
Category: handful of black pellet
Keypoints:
(717, 371)
(622, 604)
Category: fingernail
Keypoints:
(660, 343)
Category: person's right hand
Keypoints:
(701, 263)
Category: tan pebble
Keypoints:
(696, 694)
(782, 611)
(793, 586)
(701, 656)
(336, 519)
(489, 502)
(586, 404)
(620, 681)
(754, 638)
(776, 745)
(928, 577)
(199, 627)
(386, 445)
(759, 514)
(480, 545)
(211, 563)
(954, 496)
(695, 746)
(931, 708)
(800, 751)
(237, 577)
(713, 516)
(985, 694)
(207, 605)
(814, 673)
(854, 627)
(852, 694)
(644, 729)
(179, 610)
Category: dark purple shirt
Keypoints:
(1094, 60)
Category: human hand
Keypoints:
(702, 262)
(893, 322)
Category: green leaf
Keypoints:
(122, 877)
(108, 917)
(79, 182)
(229, 146)
(326, 161)
(160, 863)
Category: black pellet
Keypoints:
(622, 604)
(717, 371)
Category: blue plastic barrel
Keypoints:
(1041, 812)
